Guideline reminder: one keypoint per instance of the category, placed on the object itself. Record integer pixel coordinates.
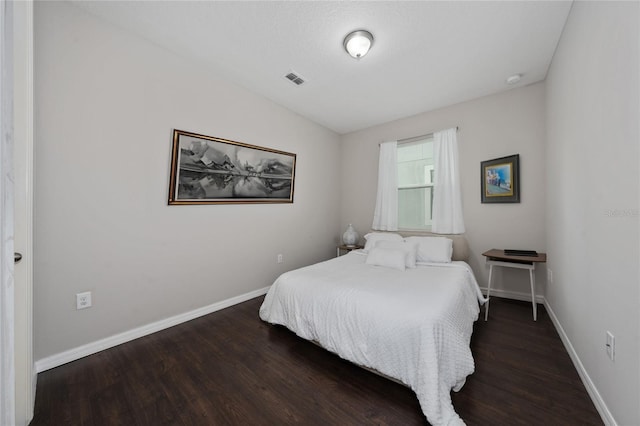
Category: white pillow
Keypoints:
(388, 258)
(433, 249)
(408, 248)
(373, 237)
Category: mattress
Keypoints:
(414, 325)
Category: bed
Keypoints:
(410, 322)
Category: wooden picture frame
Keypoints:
(500, 180)
(210, 170)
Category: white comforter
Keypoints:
(413, 325)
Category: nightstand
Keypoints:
(346, 248)
(496, 257)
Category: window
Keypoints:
(415, 182)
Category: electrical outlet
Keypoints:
(280, 258)
(83, 300)
(549, 276)
(611, 346)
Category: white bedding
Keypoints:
(413, 325)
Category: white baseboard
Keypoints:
(602, 408)
(109, 342)
(516, 295)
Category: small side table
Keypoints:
(344, 247)
(496, 257)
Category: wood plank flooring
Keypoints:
(230, 368)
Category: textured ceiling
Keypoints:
(426, 54)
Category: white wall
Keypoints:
(592, 196)
(511, 122)
(106, 103)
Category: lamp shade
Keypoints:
(358, 43)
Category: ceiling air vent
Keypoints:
(294, 78)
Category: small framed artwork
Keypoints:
(210, 170)
(500, 180)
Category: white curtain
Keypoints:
(447, 197)
(385, 216)
(7, 366)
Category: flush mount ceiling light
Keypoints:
(358, 43)
(514, 79)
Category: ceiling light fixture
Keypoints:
(358, 43)
(514, 79)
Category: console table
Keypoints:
(496, 257)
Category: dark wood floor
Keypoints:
(230, 368)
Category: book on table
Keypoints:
(513, 252)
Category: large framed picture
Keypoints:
(500, 180)
(209, 170)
